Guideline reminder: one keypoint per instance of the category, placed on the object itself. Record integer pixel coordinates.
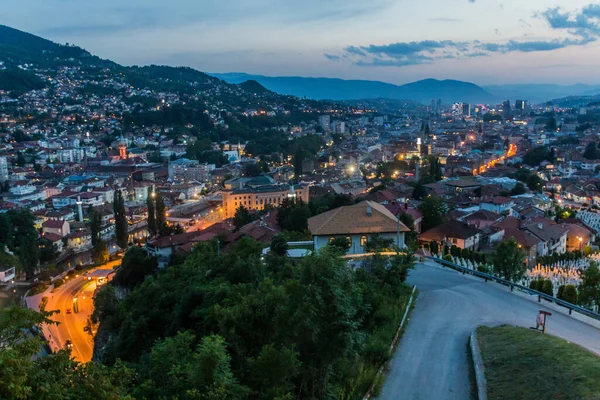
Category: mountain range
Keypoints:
(423, 91)
(17, 47)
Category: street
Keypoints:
(432, 361)
(75, 294)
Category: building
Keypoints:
(7, 273)
(453, 233)
(256, 193)
(357, 223)
(325, 121)
(498, 205)
(57, 226)
(3, 169)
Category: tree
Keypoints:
(591, 151)
(509, 261)
(95, 224)
(589, 289)
(152, 227)
(434, 212)
(419, 192)
(47, 251)
(340, 243)
(570, 294)
(161, 214)
(24, 240)
(279, 245)
(25, 375)
(410, 237)
(518, 189)
(435, 168)
(434, 247)
(100, 252)
(135, 267)
(376, 244)
(547, 287)
(121, 226)
(241, 217)
(534, 182)
(535, 156)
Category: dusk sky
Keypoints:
(482, 41)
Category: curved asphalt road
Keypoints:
(431, 361)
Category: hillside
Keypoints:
(19, 80)
(540, 93)
(339, 89)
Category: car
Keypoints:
(68, 344)
(68, 311)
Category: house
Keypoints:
(56, 226)
(455, 233)
(54, 240)
(498, 205)
(7, 273)
(357, 223)
(482, 218)
(578, 236)
(80, 240)
(552, 236)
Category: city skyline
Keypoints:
(474, 40)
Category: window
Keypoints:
(349, 239)
(454, 240)
(363, 241)
(331, 239)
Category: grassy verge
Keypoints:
(521, 363)
(376, 351)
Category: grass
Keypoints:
(521, 363)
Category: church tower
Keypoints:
(122, 150)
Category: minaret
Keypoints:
(79, 209)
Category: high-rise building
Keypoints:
(3, 169)
(466, 109)
(506, 111)
(520, 105)
(338, 127)
(325, 122)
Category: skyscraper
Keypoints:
(3, 169)
(466, 109)
(520, 105)
(325, 121)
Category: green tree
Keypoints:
(509, 261)
(434, 212)
(241, 217)
(95, 224)
(25, 375)
(24, 240)
(121, 226)
(591, 151)
(410, 237)
(100, 252)
(518, 189)
(279, 245)
(434, 247)
(570, 294)
(161, 214)
(377, 244)
(135, 267)
(340, 243)
(547, 287)
(152, 227)
(589, 289)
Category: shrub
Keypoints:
(446, 249)
(43, 303)
(560, 291)
(548, 287)
(434, 247)
(570, 294)
(448, 258)
(58, 283)
(455, 251)
(38, 288)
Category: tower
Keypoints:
(122, 150)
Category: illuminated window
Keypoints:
(331, 239)
(363, 241)
(349, 239)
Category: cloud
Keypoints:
(582, 27)
(332, 57)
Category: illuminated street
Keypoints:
(75, 294)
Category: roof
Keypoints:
(462, 183)
(54, 224)
(364, 217)
(450, 229)
(484, 215)
(52, 237)
(498, 200)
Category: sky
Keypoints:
(397, 41)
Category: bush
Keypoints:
(455, 251)
(446, 249)
(58, 283)
(434, 247)
(548, 287)
(536, 284)
(448, 258)
(38, 288)
(570, 294)
(43, 303)
(560, 291)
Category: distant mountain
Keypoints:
(252, 86)
(424, 91)
(540, 93)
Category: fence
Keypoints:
(512, 285)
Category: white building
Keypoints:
(357, 223)
(3, 169)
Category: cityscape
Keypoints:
(167, 233)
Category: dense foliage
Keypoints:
(233, 327)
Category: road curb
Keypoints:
(478, 366)
(382, 369)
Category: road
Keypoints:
(70, 326)
(431, 360)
